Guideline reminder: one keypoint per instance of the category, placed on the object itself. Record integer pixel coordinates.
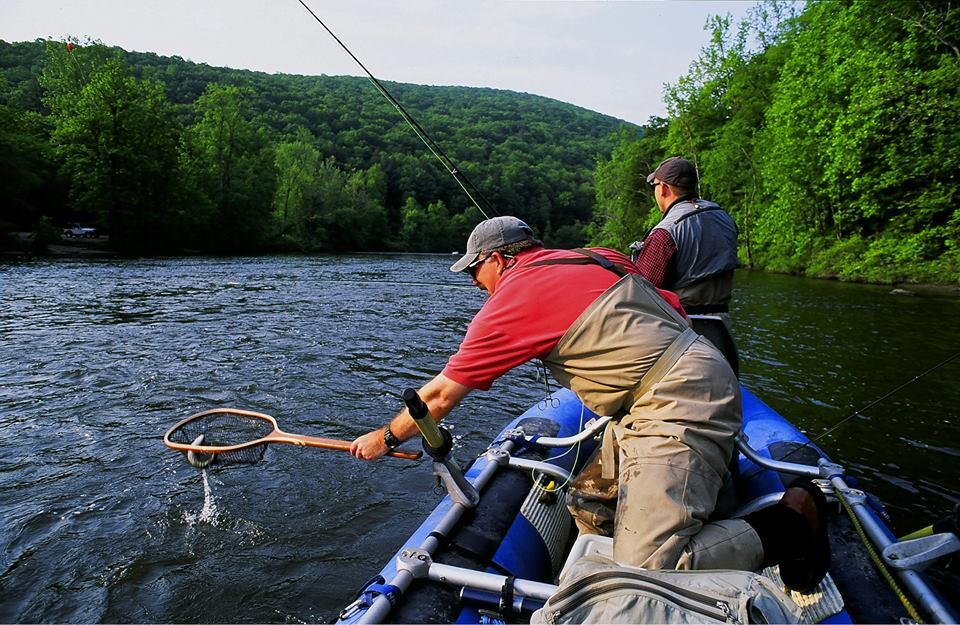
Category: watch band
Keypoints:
(390, 439)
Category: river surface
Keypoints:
(100, 523)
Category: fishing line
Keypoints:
(860, 411)
(445, 160)
(576, 458)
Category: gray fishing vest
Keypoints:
(706, 240)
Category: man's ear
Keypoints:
(501, 262)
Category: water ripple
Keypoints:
(102, 524)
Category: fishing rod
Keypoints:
(445, 160)
(877, 401)
(860, 412)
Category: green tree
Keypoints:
(860, 147)
(118, 142)
(233, 162)
(426, 229)
(297, 164)
(625, 209)
(29, 185)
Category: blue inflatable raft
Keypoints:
(492, 549)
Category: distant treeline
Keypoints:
(829, 129)
(168, 155)
(832, 136)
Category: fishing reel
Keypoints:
(437, 443)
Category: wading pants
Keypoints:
(668, 475)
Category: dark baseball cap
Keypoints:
(675, 171)
(492, 234)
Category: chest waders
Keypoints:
(631, 356)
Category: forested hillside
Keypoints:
(832, 136)
(830, 131)
(166, 154)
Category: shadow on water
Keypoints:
(99, 358)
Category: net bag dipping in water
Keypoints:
(224, 436)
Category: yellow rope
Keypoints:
(877, 559)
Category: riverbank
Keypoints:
(100, 246)
(896, 288)
(21, 244)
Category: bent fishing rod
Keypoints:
(857, 413)
(435, 149)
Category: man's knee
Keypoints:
(593, 514)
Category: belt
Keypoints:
(664, 363)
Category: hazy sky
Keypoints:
(610, 57)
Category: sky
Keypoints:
(613, 57)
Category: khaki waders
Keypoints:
(631, 356)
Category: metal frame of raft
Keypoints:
(415, 560)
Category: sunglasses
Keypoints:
(653, 185)
(472, 267)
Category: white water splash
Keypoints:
(207, 514)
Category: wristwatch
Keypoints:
(390, 439)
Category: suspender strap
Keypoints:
(667, 359)
(589, 258)
(697, 211)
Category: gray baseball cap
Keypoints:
(492, 234)
(676, 171)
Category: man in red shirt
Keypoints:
(627, 351)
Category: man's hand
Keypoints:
(370, 446)
(441, 394)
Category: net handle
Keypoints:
(328, 443)
(276, 436)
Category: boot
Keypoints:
(794, 535)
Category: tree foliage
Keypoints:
(829, 130)
(117, 141)
(830, 135)
(267, 162)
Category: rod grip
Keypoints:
(421, 416)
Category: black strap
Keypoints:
(706, 209)
(589, 258)
(697, 211)
(706, 309)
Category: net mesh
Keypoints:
(224, 429)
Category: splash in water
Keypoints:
(207, 514)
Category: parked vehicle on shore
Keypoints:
(75, 231)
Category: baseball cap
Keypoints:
(676, 171)
(492, 234)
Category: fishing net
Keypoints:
(224, 429)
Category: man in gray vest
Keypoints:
(692, 252)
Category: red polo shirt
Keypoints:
(530, 311)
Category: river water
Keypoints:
(100, 523)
